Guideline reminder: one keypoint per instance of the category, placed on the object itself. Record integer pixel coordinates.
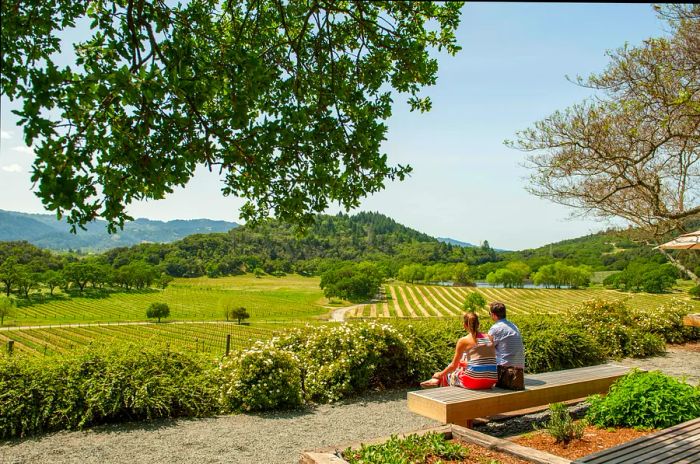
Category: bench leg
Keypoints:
(469, 424)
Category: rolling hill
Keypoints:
(45, 231)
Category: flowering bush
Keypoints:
(261, 378)
(340, 360)
(623, 332)
(665, 320)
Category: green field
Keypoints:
(436, 301)
(208, 336)
(54, 326)
(267, 298)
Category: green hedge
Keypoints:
(316, 364)
(103, 385)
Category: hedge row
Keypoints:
(314, 364)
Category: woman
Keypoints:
(474, 363)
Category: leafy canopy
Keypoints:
(286, 99)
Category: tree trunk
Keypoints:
(680, 266)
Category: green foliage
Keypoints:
(6, 308)
(645, 400)
(644, 276)
(474, 302)
(561, 425)
(239, 314)
(338, 361)
(665, 320)
(241, 88)
(158, 310)
(430, 344)
(103, 384)
(557, 346)
(408, 450)
(559, 274)
(354, 282)
(694, 292)
(261, 378)
(615, 329)
(505, 277)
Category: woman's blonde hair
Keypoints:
(471, 322)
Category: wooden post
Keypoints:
(10, 346)
(228, 343)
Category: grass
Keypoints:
(266, 298)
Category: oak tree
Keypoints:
(287, 99)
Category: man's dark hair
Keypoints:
(499, 309)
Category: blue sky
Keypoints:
(466, 184)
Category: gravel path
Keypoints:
(261, 438)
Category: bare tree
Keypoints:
(633, 151)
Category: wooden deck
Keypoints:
(454, 405)
(679, 444)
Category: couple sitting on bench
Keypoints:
(484, 360)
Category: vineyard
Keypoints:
(209, 337)
(438, 301)
(267, 298)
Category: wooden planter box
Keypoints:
(463, 434)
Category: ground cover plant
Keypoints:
(408, 450)
(561, 425)
(645, 400)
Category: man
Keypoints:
(510, 352)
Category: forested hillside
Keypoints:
(276, 248)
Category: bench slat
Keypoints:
(456, 405)
(675, 444)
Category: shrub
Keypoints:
(430, 344)
(560, 347)
(158, 310)
(474, 302)
(561, 425)
(261, 378)
(641, 344)
(665, 320)
(341, 360)
(645, 400)
(413, 448)
(694, 292)
(622, 332)
(103, 384)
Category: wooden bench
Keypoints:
(676, 444)
(453, 405)
(692, 320)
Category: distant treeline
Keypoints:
(277, 248)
